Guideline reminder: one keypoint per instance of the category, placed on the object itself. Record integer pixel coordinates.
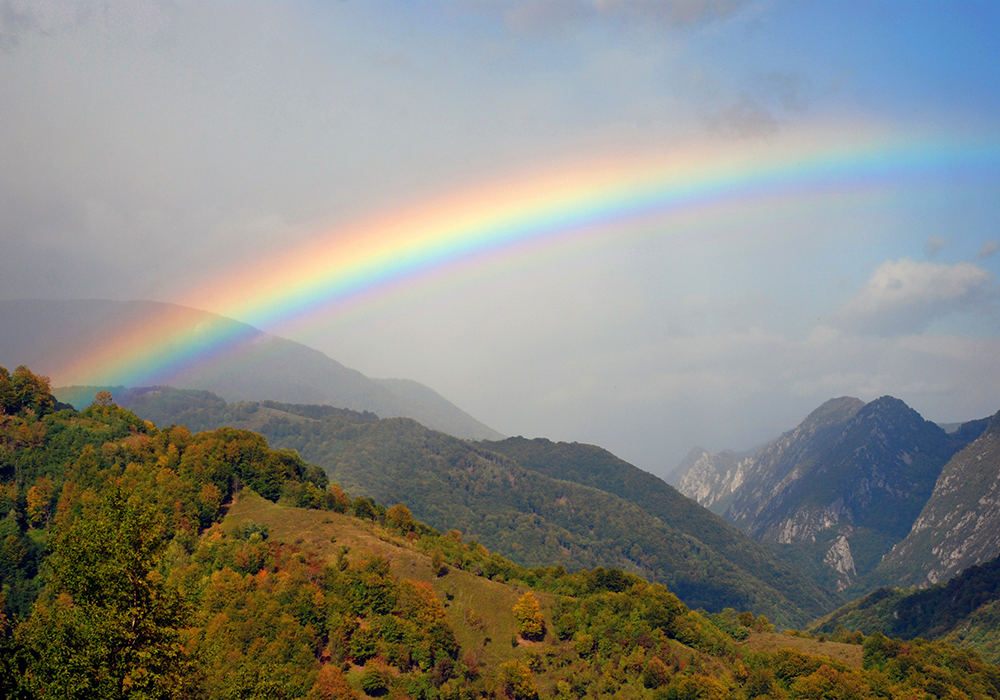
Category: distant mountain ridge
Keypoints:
(837, 492)
(259, 366)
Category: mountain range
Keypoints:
(255, 366)
(857, 496)
(837, 493)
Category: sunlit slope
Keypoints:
(530, 517)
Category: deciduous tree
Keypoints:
(528, 614)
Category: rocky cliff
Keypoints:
(959, 526)
(711, 479)
(835, 494)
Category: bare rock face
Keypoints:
(960, 524)
(839, 558)
(769, 477)
(712, 479)
(807, 522)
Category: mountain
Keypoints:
(253, 365)
(533, 517)
(675, 474)
(964, 611)
(596, 467)
(960, 524)
(837, 492)
(712, 478)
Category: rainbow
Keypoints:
(347, 271)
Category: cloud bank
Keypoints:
(905, 296)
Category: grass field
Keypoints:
(847, 654)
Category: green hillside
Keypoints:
(528, 515)
(593, 466)
(209, 565)
(964, 610)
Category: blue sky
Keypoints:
(146, 146)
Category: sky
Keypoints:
(699, 219)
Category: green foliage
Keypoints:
(518, 497)
(150, 595)
(108, 626)
(517, 682)
(593, 466)
(937, 612)
(24, 391)
(536, 519)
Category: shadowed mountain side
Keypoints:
(964, 611)
(834, 495)
(959, 525)
(250, 366)
(783, 462)
(594, 466)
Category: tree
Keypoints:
(39, 500)
(24, 390)
(516, 681)
(331, 684)
(106, 625)
(103, 398)
(399, 516)
(528, 614)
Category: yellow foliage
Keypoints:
(528, 614)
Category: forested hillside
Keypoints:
(965, 611)
(528, 515)
(179, 565)
(593, 466)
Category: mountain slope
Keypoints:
(593, 466)
(528, 516)
(835, 494)
(960, 524)
(784, 461)
(712, 478)
(253, 365)
(964, 610)
(212, 566)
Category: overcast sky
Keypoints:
(147, 146)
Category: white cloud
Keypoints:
(904, 296)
